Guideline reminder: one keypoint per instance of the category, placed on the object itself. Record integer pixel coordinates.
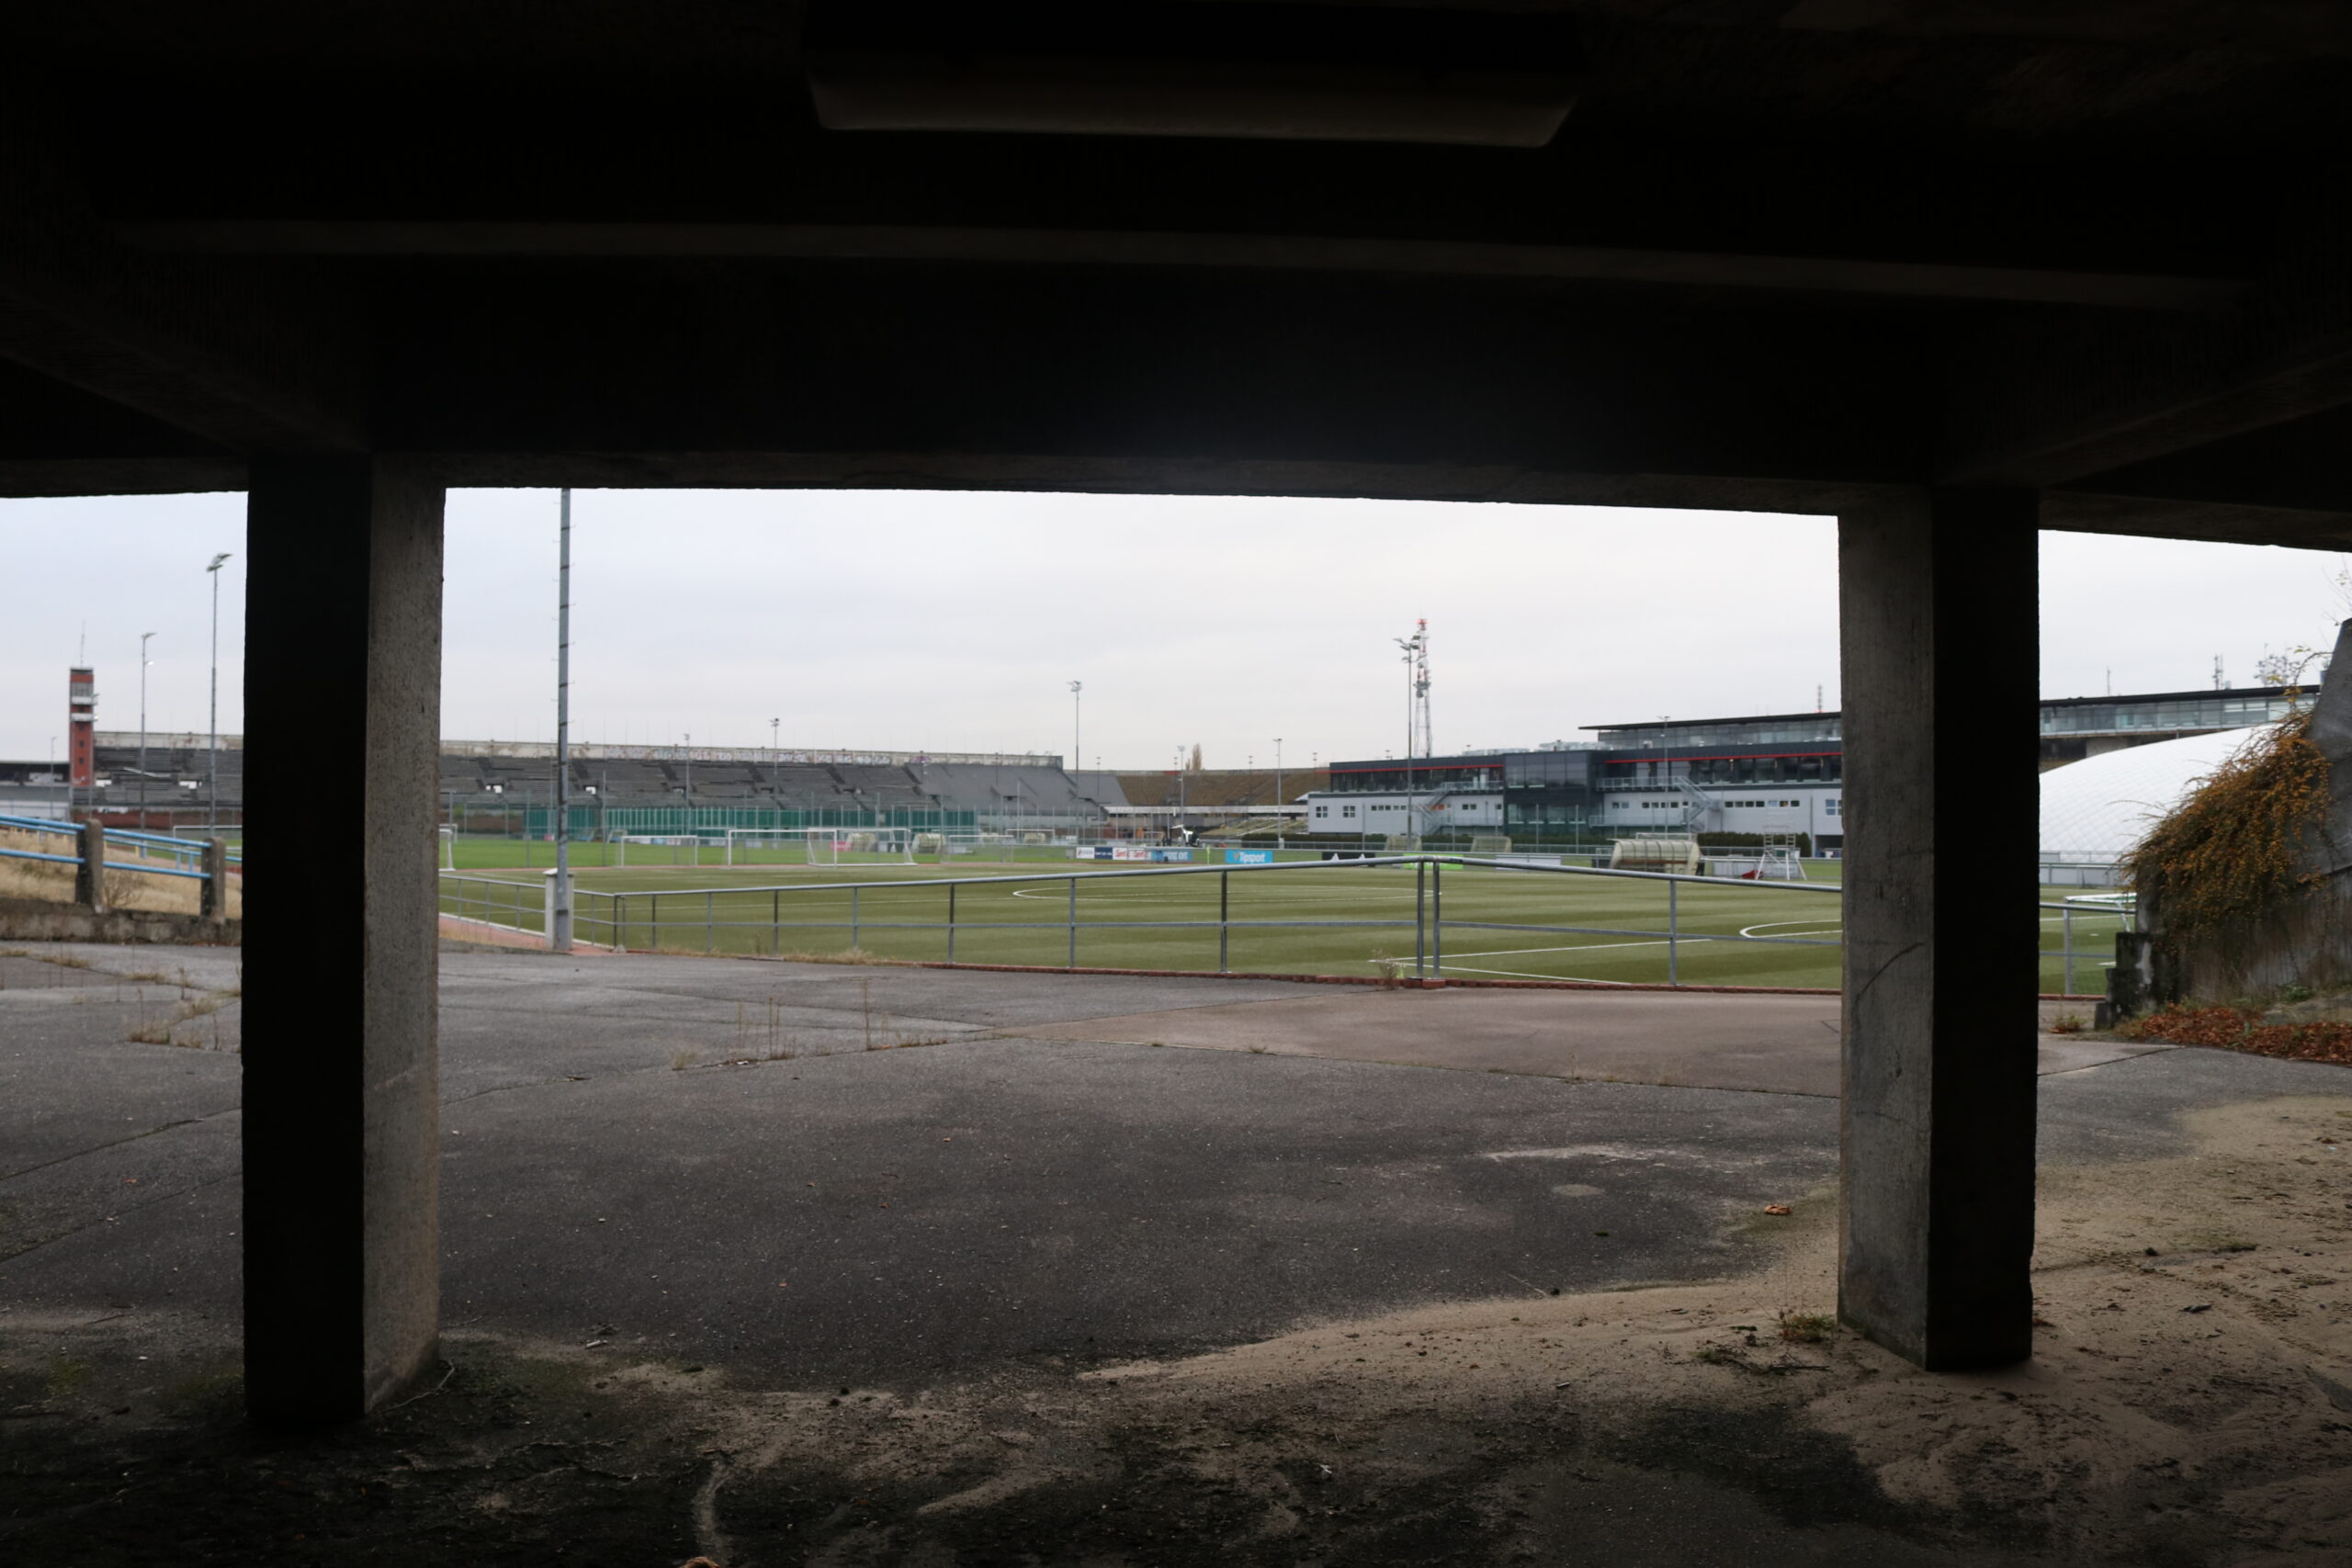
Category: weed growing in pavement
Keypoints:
(1808, 1328)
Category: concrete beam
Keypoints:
(1938, 611)
(343, 661)
(411, 238)
(2042, 400)
(249, 359)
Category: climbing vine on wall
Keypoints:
(2225, 859)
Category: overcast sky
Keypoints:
(923, 620)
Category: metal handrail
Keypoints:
(523, 901)
(185, 848)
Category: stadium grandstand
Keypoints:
(508, 787)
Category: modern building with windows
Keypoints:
(2076, 727)
(1588, 791)
(1766, 774)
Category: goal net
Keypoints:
(656, 849)
(992, 848)
(448, 848)
(822, 846)
(1489, 845)
(859, 846)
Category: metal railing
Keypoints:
(847, 915)
(184, 856)
(777, 919)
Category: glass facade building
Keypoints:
(1725, 766)
(1550, 794)
(1427, 775)
(1766, 729)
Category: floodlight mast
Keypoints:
(143, 662)
(559, 921)
(212, 792)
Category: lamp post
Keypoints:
(560, 924)
(212, 750)
(1280, 800)
(143, 637)
(1076, 756)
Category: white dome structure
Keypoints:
(2094, 811)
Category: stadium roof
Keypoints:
(2097, 809)
(1702, 723)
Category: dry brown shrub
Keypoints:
(2224, 860)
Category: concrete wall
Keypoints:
(39, 920)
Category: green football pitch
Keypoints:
(1319, 918)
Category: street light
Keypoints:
(1280, 798)
(1077, 758)
(143, 662)
(212, 790)
(559, 921)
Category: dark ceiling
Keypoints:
(2099, 249)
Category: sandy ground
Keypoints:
(2189, 1402)
(2192, 1389)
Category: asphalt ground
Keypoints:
(868, 1173)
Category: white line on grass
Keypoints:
(1767, 925)
(1570, 947)
(1531, 975)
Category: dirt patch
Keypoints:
(2249, 1029)
(2190, 1403)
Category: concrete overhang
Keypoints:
(1251, 72)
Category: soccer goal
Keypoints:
(860, 846)
(656, 849)
(1489, 845)
(822, 846)
(448, 848)
(988, 848)
(769, 846)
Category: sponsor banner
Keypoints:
(1092, 852)
(1172, 854)
(1248, 857)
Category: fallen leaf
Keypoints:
(1776, 1208)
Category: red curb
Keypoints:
(1402, 985)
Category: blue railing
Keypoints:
(187, 854)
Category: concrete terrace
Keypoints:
(808, 1178)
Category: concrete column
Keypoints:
(343, 692)
(90, 874)
(1939, 600)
